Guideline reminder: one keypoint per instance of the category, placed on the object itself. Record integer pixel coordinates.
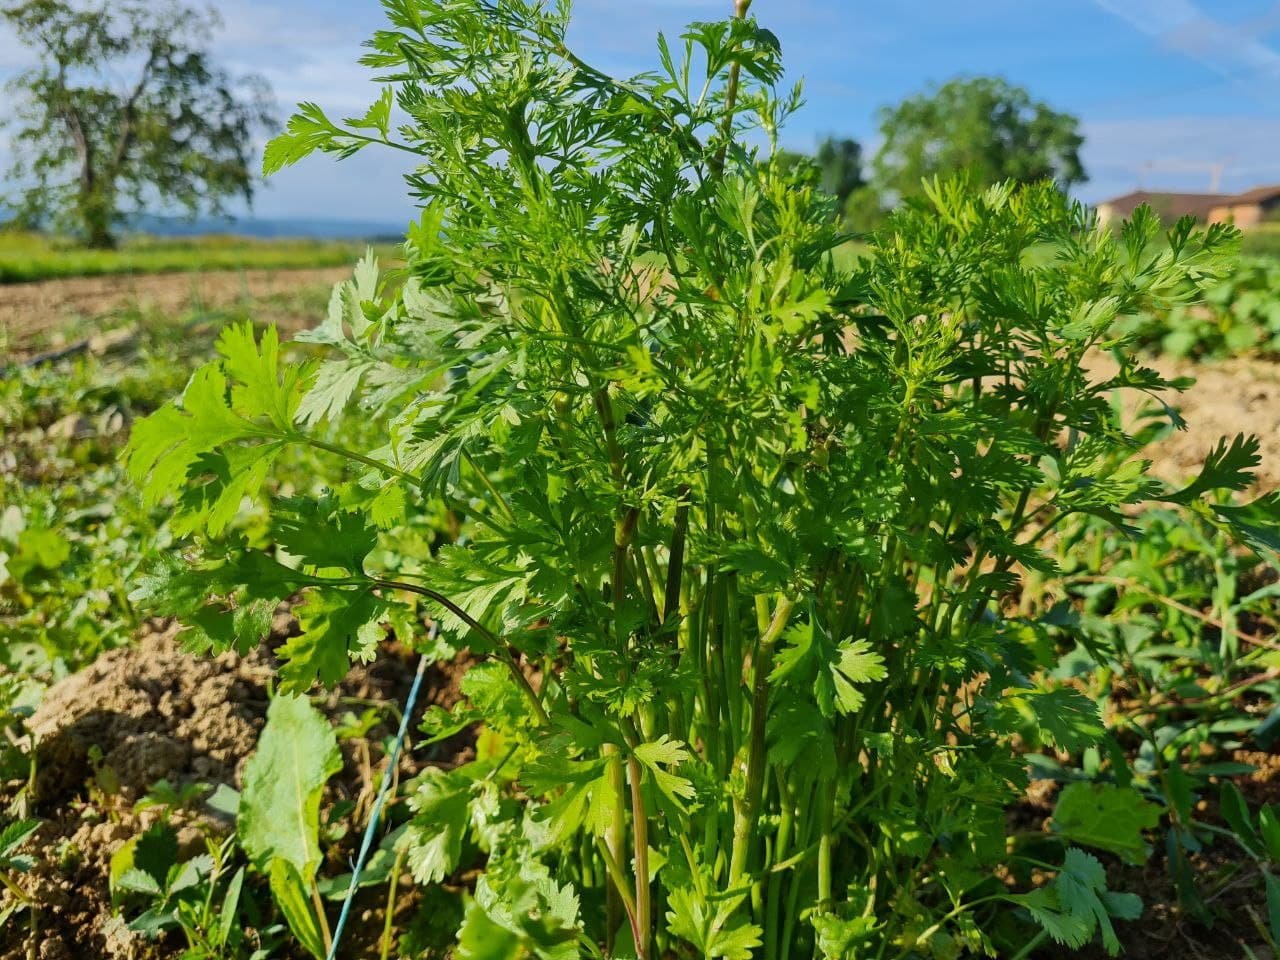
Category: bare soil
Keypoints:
(1233, 396)
(1230, 885)
(34, 313)
(150, 712)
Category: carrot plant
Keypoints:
(736, 528)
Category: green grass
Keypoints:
(846, 255)
(74, 536)
(1263, 240)
(31, 256)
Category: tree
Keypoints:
(983, 127)
(839, 164)
(179, 130)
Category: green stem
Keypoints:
(501, 648)
(488, 484)
(357, 457)
(707, 668)
(748, 809)
(675, 557)
(388, 921)
(615, 845)
(929, 932)
(1038, 939)
(826, 814)
(803, 833)
(773, 898)
(640, 833)
(16, 890)
(381, 141)
(620, 885)
(317, 904)
(740, 8)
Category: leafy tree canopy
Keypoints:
(839, 165)
(125, 106)
(983, 127)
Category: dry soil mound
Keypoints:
(150, 712)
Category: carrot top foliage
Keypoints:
(734, 528)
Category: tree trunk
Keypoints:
(95, 204)
(97, 213)
(97, 227)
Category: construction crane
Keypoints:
(1215, 169)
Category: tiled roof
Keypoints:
(1256, 195)
(1167, 204)
(1195, 204)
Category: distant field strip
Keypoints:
(34, 316)
(26, 257)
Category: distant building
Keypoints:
(1248, 209)
(1245, 210)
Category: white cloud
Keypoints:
(248, 25)
(13, 55)
(1233, 50)
(367, 186)
(302, 57)
(1179, 153)
(341, 87)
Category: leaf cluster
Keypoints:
(735, 529)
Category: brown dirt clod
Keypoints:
(152, 711)
(29, 311)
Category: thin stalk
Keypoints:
(620, 885)
(33, 921)
(615, 844)
(748, 809)
(1031, 945)
(586, 861)
(592, 948)
(488, 485)
(711, 692)
(826, 814)
(1173, 604)
(387, 923)
(501, 648)
(214, 875)
(928, 933)
(357, 457)
(731, 663)
(638, 569)
(1217, 699)
(773, 897)
(318, 905)
(20, 894)
(675, 557)
(640, 833)
(655, 579)
(381, 141)
(740, 8)
(803, 832)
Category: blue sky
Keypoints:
(1166, 89)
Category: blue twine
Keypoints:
(376, 813)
